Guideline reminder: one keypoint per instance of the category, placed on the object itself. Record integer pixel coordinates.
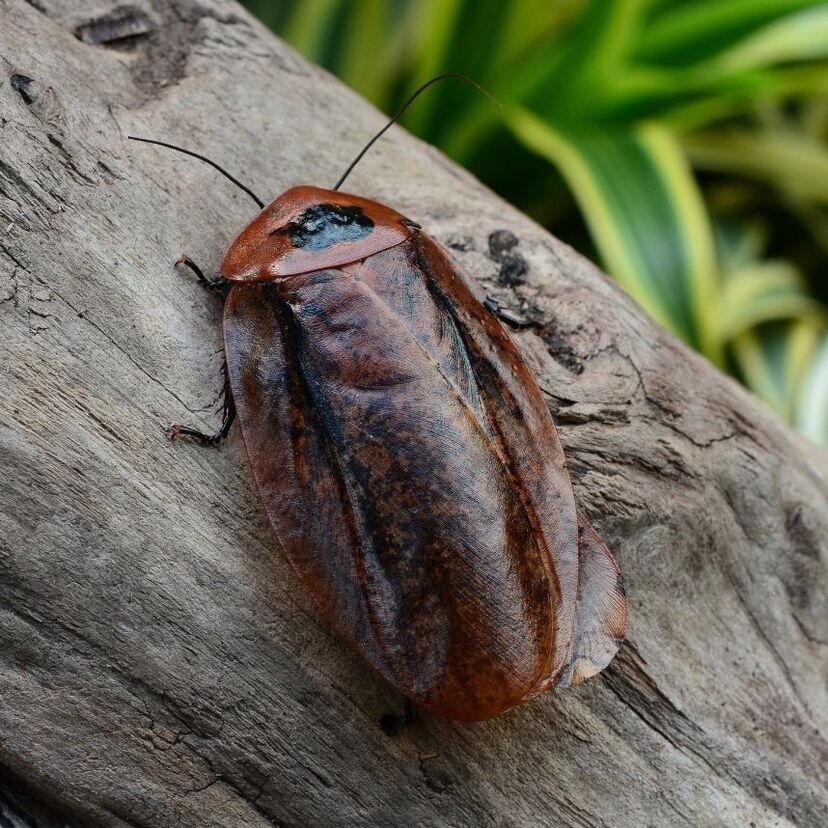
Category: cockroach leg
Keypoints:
(513, 321)
(393, 724)
(218, 284)
(228, 416)
(221, 287)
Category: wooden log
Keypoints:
(159, 664)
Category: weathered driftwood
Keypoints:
(158, 663)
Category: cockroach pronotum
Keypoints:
(406, 458)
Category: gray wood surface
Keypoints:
(159, 664)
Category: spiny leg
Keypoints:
(508, 317)
(228, 416)
(217, 283)
(220, 286)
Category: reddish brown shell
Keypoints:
(267, 248)
(411, 469)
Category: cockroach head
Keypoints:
(308, 229)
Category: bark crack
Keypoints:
(86, 318)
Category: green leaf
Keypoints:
(773, 361)
(434, 24)
(791, 160)
(645, 214)
(309, 28)
(763, 292)
(687, 33)
(577, 83)
(812, 405)
(799, 36)
(363, 61)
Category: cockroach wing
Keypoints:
(415, 479)
(592, 617)
(291, 462)
(601, 614)
(377, 466)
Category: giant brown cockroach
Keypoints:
(406, 458)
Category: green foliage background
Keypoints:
(679, 143)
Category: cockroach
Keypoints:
(405, 456)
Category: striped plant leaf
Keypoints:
(775, 359)
(811, 415)
(763, 292)
(645, 214)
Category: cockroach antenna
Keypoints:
(411, 99)
(213, 164)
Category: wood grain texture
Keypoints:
(158, 663)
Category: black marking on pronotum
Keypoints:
(324, 225)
